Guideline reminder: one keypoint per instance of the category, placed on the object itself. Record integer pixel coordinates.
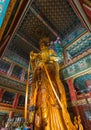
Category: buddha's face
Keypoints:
(42, 46)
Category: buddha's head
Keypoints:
(44, 43)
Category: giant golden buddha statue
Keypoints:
(47, 107)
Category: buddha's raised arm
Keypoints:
(33, 55)
(34, 58)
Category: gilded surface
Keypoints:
(88, 2)
(48, 107)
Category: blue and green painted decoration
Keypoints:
(80, 84)
(3, 8)
(80, 45)
(59, 44)
(80, 29)
(78, 67)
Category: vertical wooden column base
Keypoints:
(11, 114)
(73, 95)
(71, 90)
(1, 93)
(15, 103)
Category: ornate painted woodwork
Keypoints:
(12, 57)
(8, 97)
(80, 83)
(77, 32)
(14, 105)
(21, 101)
(83, 10)
(80, 46)
(8, 109)
(17, 71)
(4, 66)
(7, 16)
(9, 83)
(17, 13)
(78, 67)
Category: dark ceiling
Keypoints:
(44, 18)
(58, 14)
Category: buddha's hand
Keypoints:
(34, 55)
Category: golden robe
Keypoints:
(47, 114)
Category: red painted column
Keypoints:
(73, 95)
(11, 114)
(16, 99)
(15, 103)
(1, 93)
(71, 89)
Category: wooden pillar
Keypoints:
(73, 95)
(15, 103)
(71, 89)
(1, 93)
(65, 56)
(11, 114)
(22, 75)
(16, 99)
(10, 69)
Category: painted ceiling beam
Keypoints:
(22, 38)
(30, 38)
(43, 21)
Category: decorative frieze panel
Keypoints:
(17, 71)
(80, 45)
(8, 83)
(8, 97)
(78, 67)
(81, 102)
(80, 84)
(4, 65)
(16, 58)
(78, 30)
(21, 100)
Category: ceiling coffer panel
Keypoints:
(58, 13)
(33, 29)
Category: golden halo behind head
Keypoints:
(45, 41)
